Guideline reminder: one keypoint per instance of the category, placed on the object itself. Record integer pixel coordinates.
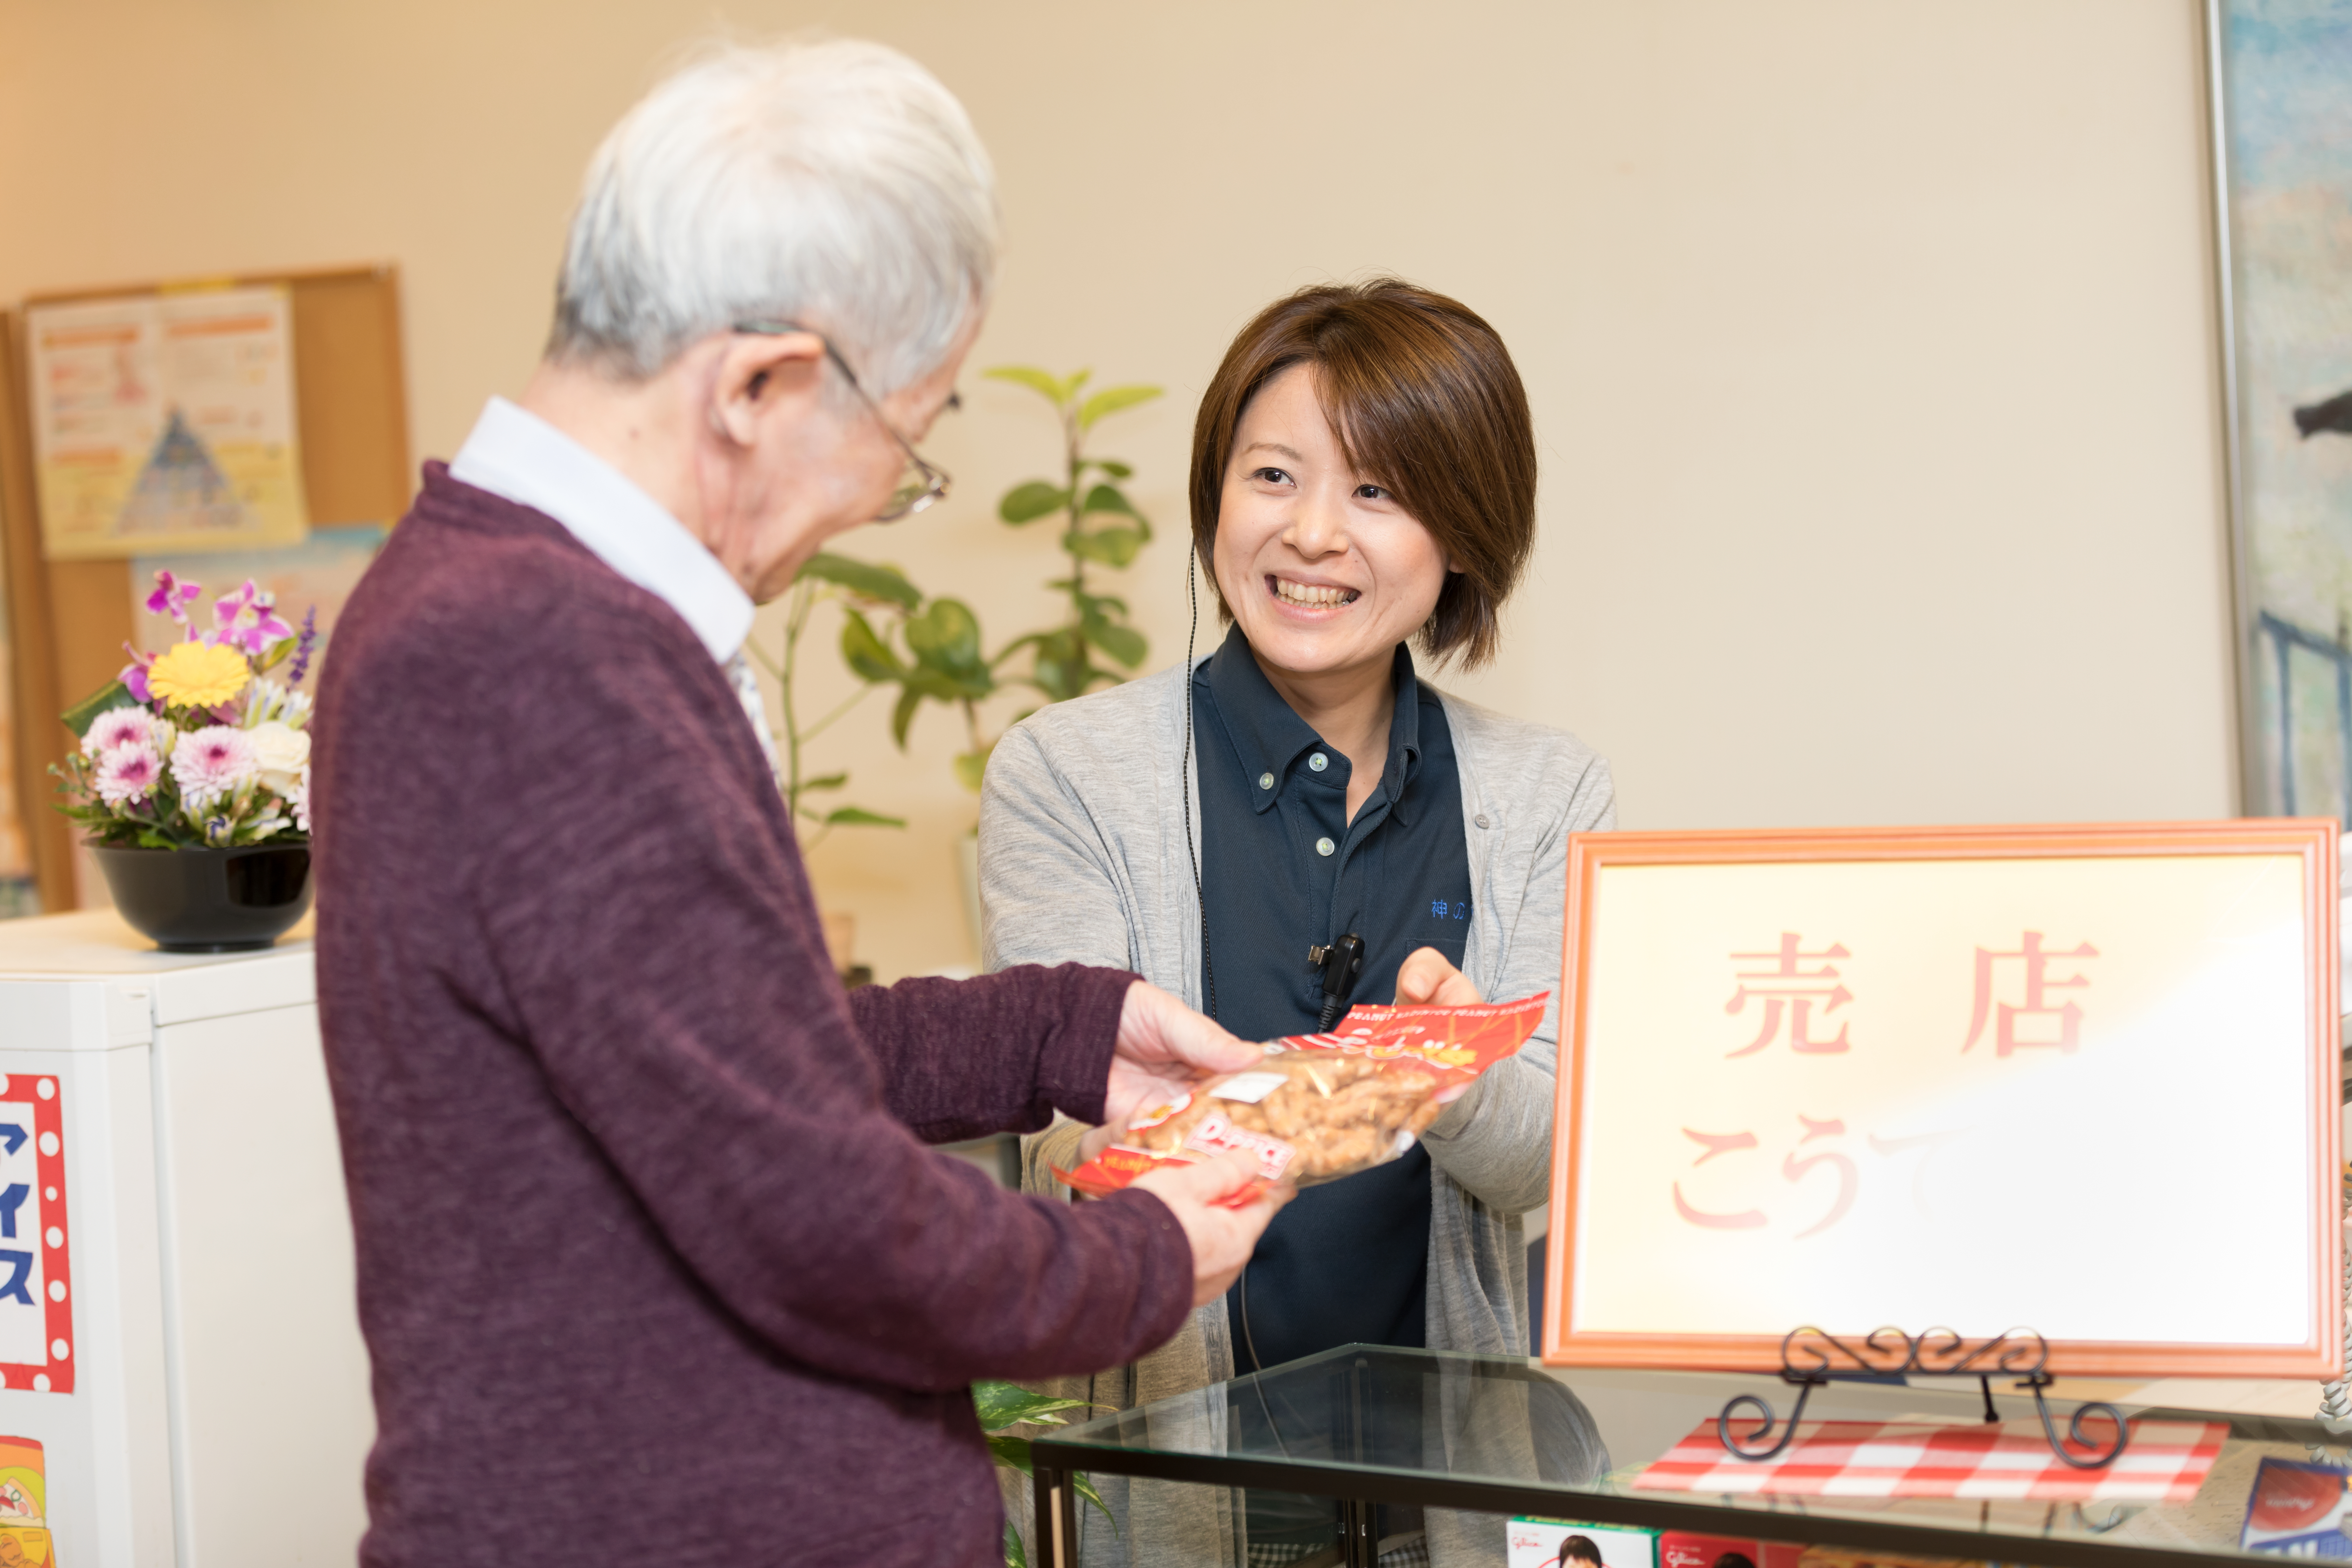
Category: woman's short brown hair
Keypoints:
(1424, 399)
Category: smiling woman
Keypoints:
(1363, 476)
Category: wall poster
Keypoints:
(2282, 160)
(1967, 1079)
(165, 421)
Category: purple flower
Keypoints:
(247, 620)
(134, 675)
(172, 597)
(129, 774)
(304, 648)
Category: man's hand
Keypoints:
(1425, 976)
(1223, 1238)
(1164, 1048)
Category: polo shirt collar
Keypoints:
(515, 453)
(1269, 736)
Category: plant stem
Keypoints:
(795, 622)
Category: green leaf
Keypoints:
(885, 585)
(830, 781)
(858, 817)
(1072, 382)
(904, 714)
(1043, 383)
(866, 653)
(1124, 643)
(1014, 1556)
(945, 640)
(971, 767)
(84, 713)
(1113, 467)
(1111, 546)
(1027, 503)
(1000, 1404)
(1086, 1488)
(1013, 1453)
(1061, 671)
(1110, 400)
(1105, 498)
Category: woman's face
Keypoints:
(1323, 570)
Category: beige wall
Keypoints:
(1870, 343)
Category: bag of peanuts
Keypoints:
(1324, 1106)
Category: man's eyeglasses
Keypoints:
(925, 484)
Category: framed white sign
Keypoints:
(2081, 1081)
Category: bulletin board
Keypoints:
(2079, 1080)
(68, 619)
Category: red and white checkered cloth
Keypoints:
(2166, 1462)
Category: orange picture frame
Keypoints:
(1634, 991)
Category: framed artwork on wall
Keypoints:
(2282, 155)
(1976, 1080)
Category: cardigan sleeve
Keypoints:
(1051, 889)
(1496, 1140)
(1064, 1020)
(656, 951)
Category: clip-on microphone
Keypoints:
(1341, 963)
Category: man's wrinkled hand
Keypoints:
(1223, 1238)
(1164, 1049)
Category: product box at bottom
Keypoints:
(1550, 1542)
(1828, 1557)
(1681, 1549)
(2297, 1509)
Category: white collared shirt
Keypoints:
(515, 453)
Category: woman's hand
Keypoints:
(1425, 976)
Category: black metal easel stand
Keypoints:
(1810, 1359)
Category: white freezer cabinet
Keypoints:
(181, 1377)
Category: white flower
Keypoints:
(279, 751)
(210, 762)
(301, 799)
(117, 728)
(128, 775)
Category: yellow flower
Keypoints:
(198, 675)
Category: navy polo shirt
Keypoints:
(1284, 870)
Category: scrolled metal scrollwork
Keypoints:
(1812, 1357)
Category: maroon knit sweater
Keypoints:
(653, 1263)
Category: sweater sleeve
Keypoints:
(656, 950)
(1496, 1140)
(1059, 1025)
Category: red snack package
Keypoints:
(1324, 1106)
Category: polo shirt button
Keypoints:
(1318, 762)
(1265, 781)
(1481, 820)
(1324, 846)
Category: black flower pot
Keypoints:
(210, 900)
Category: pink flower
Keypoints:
(248, 621)
(129, 774)
(115, 728)
(211, 763)
(172, 597)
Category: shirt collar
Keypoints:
(515, 453)
(1269, 736)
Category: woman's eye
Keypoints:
(1271, 477)
(1372, 492)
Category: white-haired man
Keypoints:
(653, 1260)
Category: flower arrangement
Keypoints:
(197, 747)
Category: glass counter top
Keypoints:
(1503, 1436)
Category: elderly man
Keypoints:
(654, 1264)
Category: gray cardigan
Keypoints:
(1083, 858)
